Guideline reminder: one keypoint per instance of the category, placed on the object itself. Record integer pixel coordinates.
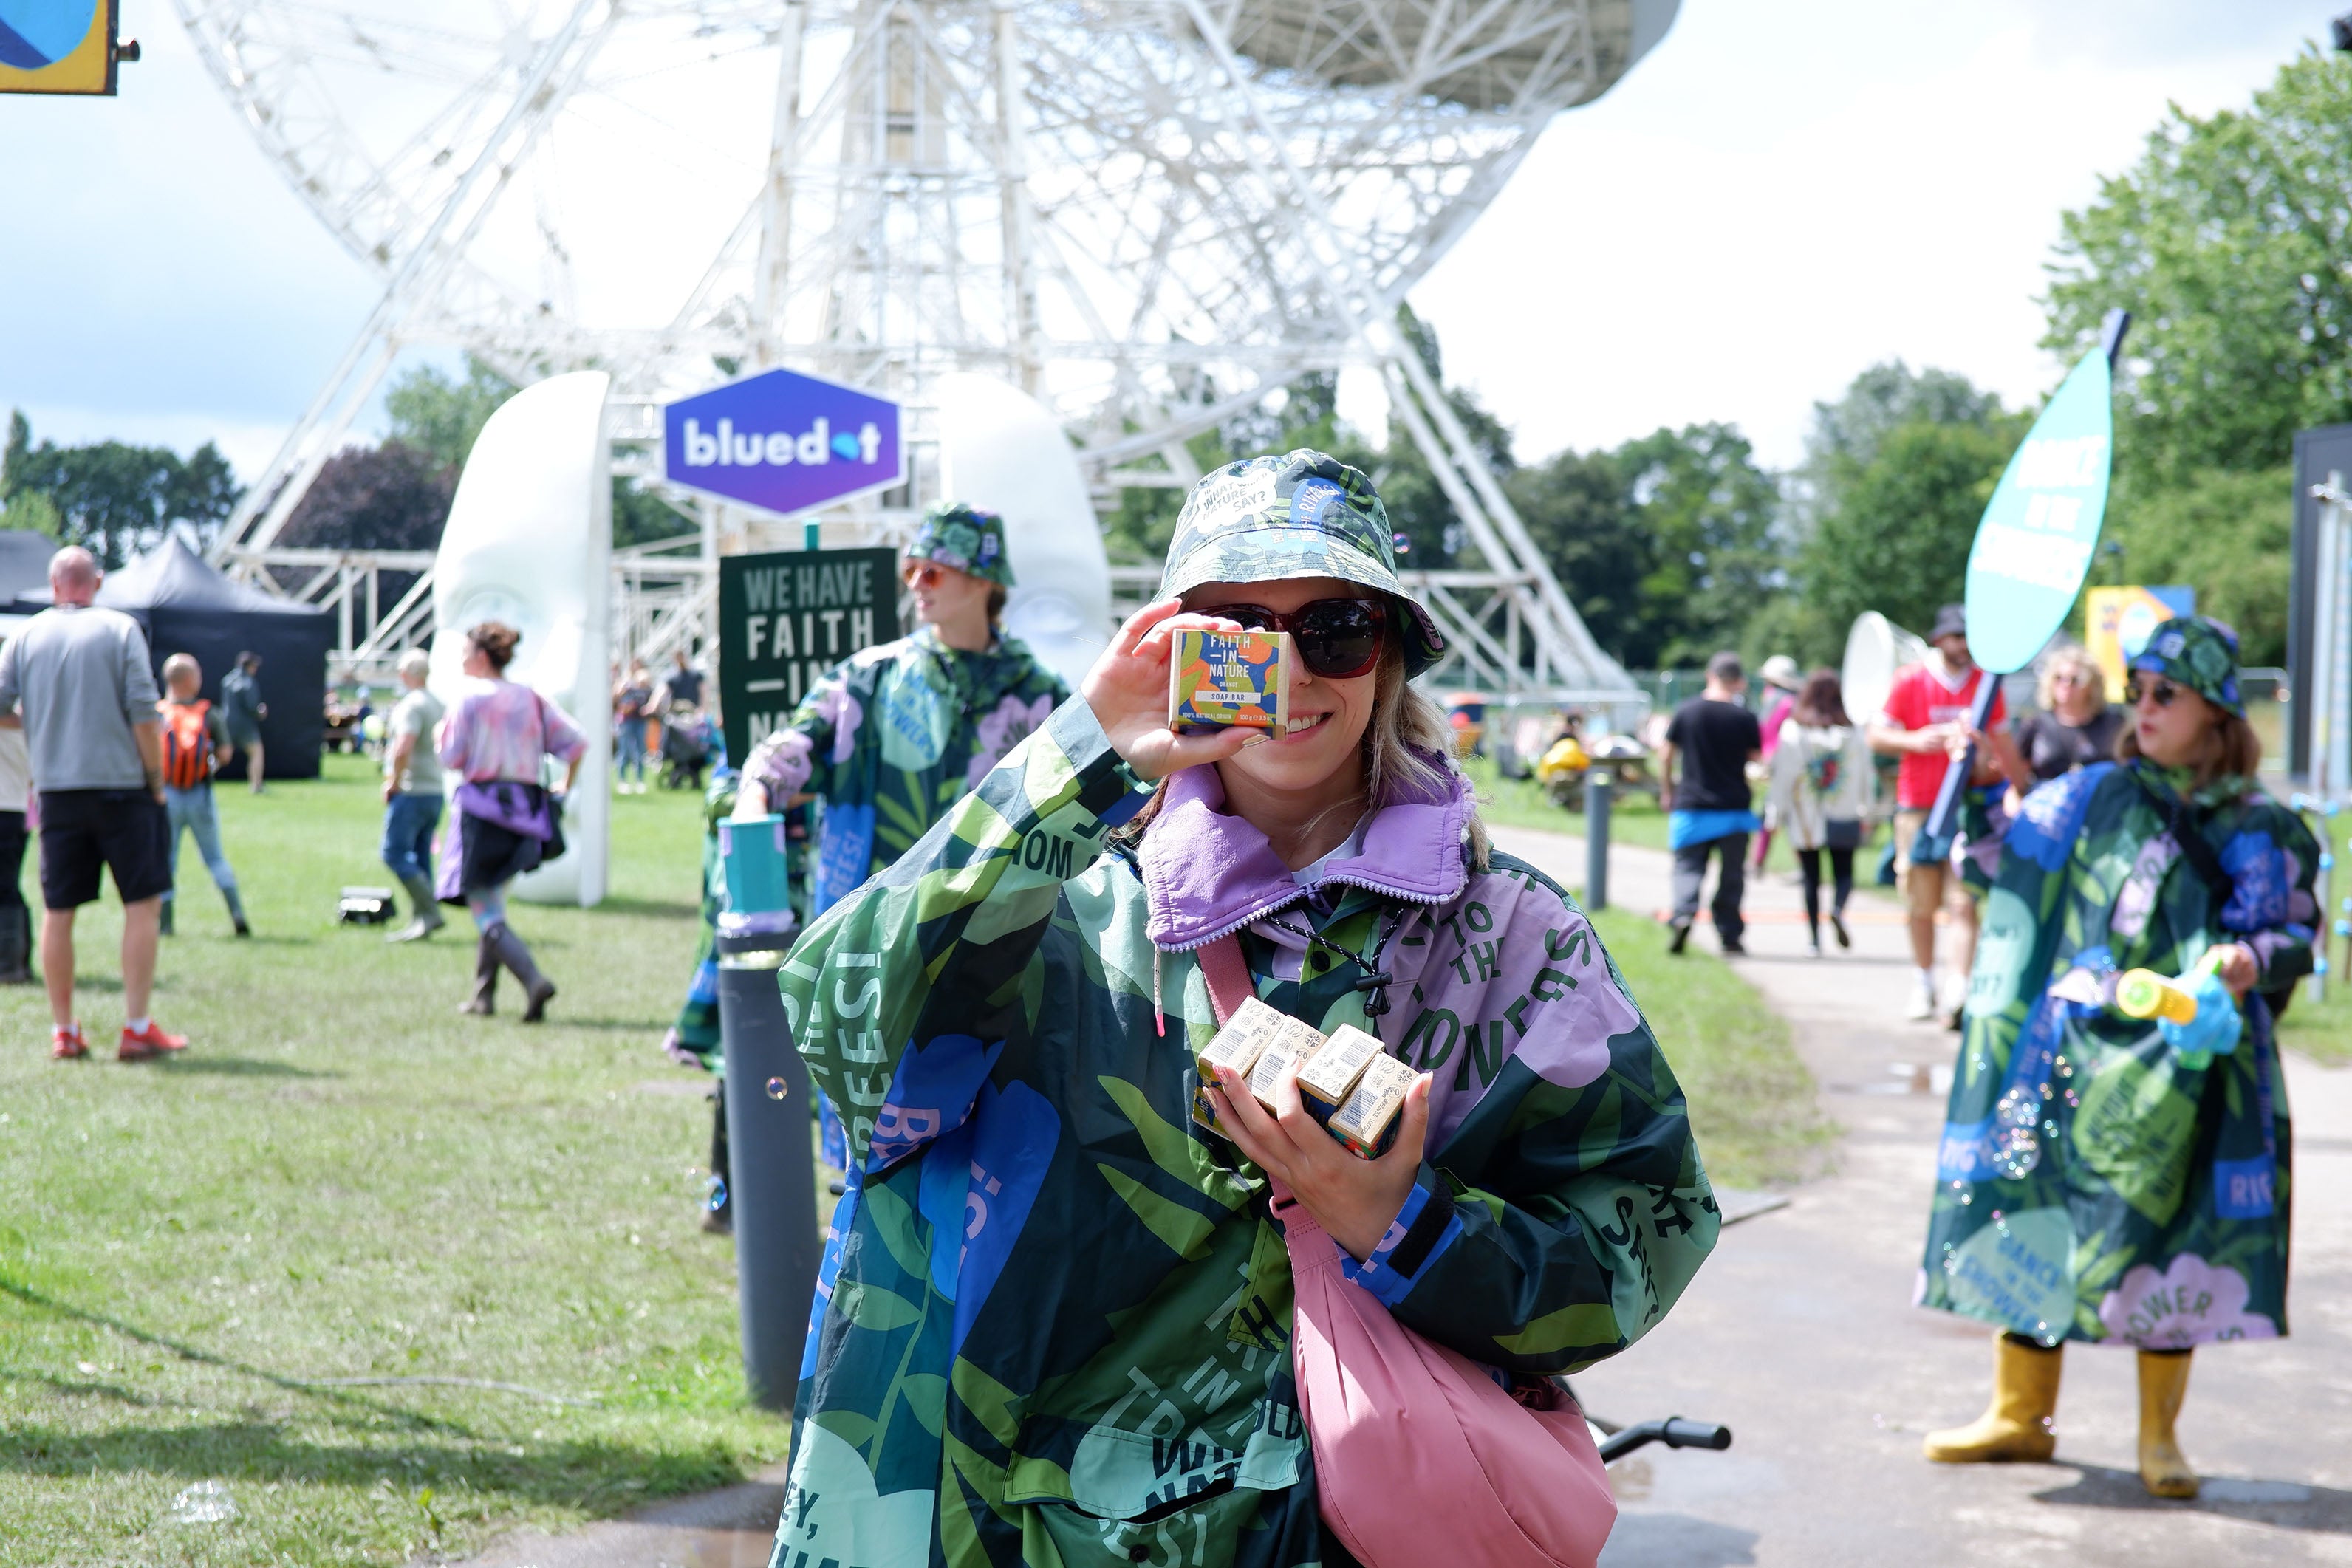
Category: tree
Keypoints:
(1896, 534)
(1712, 512)
(2229, 536)
(115, 500)
(392, 496)
(2226, 242)
(441, 417)
(1578, 511)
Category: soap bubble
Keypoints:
(718, 1199)
(2016, 1109)
(2016, 1151)
(206, 1502)
(778, 1088)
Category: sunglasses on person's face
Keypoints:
(2160, 693)
(922, 574)
(1336, 638)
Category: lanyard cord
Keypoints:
(1375, 979)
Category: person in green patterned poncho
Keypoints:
(1052, 1326)
(2103, 1178)
(893, 735)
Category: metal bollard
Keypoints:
(770, 1177)
(1596, 840)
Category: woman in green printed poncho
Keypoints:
(2103, 1178)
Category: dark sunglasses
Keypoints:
(1336, 638)
(2162, 693)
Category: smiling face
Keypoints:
(1324, 749)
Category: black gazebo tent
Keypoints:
(186, 607)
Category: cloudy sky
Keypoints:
(1782, 194)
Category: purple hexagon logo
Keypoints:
(783, 442)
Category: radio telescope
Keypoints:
(1149, 214)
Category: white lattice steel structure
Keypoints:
(1149, 212)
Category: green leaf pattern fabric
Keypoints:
(1052, 1321)
(2092, 1185)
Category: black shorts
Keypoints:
(125, 830)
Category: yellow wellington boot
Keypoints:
(2017, 1423)
(2163, 1379)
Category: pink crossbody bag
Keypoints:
(1420, 1455)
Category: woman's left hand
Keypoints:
(2240, 970)
(1355, 1200)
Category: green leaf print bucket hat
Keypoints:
(2199, 653)
(1304, 513)
(965, 538)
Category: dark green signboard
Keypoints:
(785, 619)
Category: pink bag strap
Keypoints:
(1227, 973)
(1228, 977)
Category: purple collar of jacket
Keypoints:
(1207, 873)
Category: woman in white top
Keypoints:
(1821, 786)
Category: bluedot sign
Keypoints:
(2034, 545)
(58, 45)
(782, 442)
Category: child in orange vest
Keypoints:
(193, 737)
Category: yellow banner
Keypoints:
(2117, 621)
(57, 47)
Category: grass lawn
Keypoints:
(344, 1179)
(2321, 1031)
(1753, 1102)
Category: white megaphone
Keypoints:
(530, 543)
(1876, 651)
(1001, 452)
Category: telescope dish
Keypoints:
(1876, 651)
(1508, 54)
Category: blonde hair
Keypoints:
(2065, 655)
(1408, 751)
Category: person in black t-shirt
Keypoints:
(1711, 810)
(2076, 725)
(683, 684)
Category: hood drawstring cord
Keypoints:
(1158, 1019)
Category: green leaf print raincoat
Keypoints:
(2093, 1183)
(893, 735)
(1053, 1321)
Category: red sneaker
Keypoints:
(67, 1042)
(151, 1042)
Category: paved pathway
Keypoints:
(1798, 1334)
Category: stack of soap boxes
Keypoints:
(1347, 1082)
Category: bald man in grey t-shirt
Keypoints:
(79, 679)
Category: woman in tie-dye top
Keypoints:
(1053, 1321)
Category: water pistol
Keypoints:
(2195, 1012)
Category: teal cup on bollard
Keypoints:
(769, 1110)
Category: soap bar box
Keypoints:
(1217, 680)
(1325, 1082)
(1258, 1042)
(1366, 1125)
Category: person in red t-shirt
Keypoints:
(1925, 723)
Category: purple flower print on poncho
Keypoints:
(1000, 731)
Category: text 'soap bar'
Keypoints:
(68, 48)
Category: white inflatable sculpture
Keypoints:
(530, 542)
(1001, 452)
